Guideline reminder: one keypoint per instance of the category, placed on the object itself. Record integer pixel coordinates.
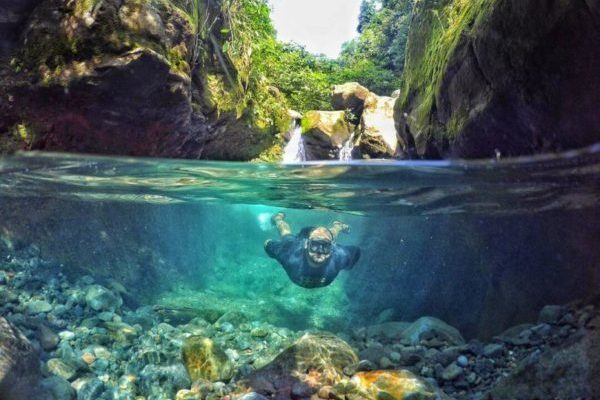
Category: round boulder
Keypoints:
(349, 96)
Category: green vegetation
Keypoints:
(431, 45)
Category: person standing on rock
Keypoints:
(312, 258)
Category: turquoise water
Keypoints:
(481, 245)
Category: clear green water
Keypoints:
(482, 245)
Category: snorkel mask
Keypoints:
(319, 245)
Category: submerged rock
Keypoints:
(389, 385)
(204, 359)
(314, 360)
(430, 327)
(19, 366)
(571, 371)
(100, 298)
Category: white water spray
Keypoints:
(345, 153)
(294, 149)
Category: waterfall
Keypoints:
(345, 153)
(294, 149)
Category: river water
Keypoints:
(482, 245)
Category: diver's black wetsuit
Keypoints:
(290, 253)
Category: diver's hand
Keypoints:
(342, 227)
(277, 217)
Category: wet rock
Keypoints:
(88, 388)
(451, 372)
(392, 385)
(61, 368)
(429, 326)
(251, 396)
(516, 335)
(571, 371)
(378, 137)
(501, 87)
(462, 361)
(38, 307)
(19, 365)
(324, 132)
(169, 378)
(48, 339)
(349, 96)
(493, 350)
(387, 330)
(315, 359)
(58, 388)
(551, 314)
(100, 298)
(204, 359)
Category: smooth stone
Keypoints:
(551, 314)
(493, 350)
(38, 307)
(252, 396)
(451, 372)
(59, 388)
(66, 335)
(100, 298)
(462, 361)
(425, 326)
(88, 388)
(259, 332)
(58, 367)
(48, 339)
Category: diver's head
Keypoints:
(318, 246)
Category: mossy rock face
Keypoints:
(324, 133)
(115, 77)
(483, 77)
(203, 359)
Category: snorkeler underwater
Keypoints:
(299, 200)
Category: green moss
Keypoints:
(436, 33)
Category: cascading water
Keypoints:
(294, 149)
(345, 153)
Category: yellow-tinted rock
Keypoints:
(203, 359)
(392, 385)
(378, 137)
(324, 132)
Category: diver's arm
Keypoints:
(282, 227)
(338, 227)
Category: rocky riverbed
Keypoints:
(92, 342)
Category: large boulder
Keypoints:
(115, 77)
(508, 77)
(313, 361)
(349, 96)
(19, 366)
(570, 371)
(324, 133)
(378, 137)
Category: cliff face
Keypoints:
(120, 77)
(510, 76)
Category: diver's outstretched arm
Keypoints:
(338, 227)
(282, 227)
